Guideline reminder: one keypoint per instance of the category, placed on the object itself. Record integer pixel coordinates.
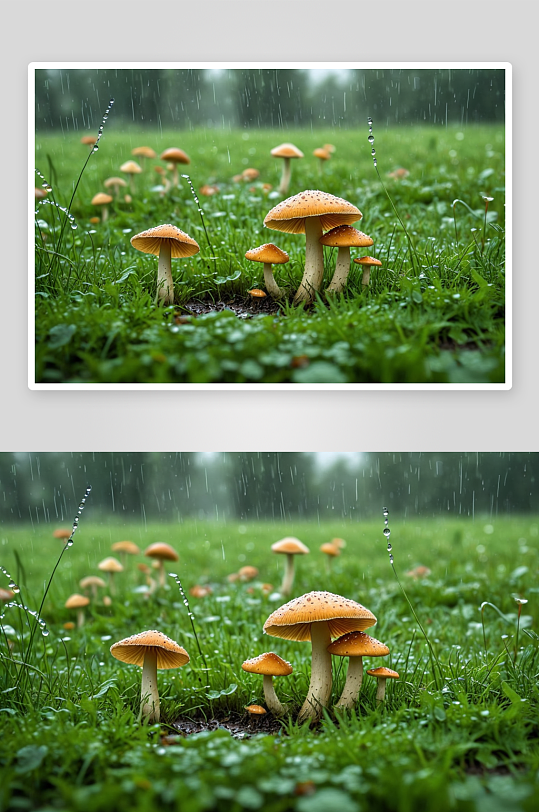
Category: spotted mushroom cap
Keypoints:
(268, 664)
(383, 672)
(149, 242)
(161, 551)
(292, 621)
(358, 644)
(267, 253)
(132, 650)
(367, 261)
(346, 236)
(290, 214)
(290, 545)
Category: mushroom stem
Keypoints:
(165, 285)
(149, 694)
(80, 617)
(352, 685)
(366, 275)
(285, 177)
(272, 701)
(112, 585)
(314, 261)
(271, 285)
(381, 689)
(161, 574)
(288, 579)
(342, 269)
(104, 213)
(321, 678)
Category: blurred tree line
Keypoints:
(71, 99)
(141, 486)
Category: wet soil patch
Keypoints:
(239, 726)
(244, 308)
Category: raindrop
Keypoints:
(371, 139)
(387, 532)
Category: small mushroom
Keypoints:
(150, 650)
(112, 566)
(247, 573)
(144, 154)
(287, 152)
(93, 583)
(355, 646)
(115, 184)
(125, 548)
(88, 140)
(77, 602)
(382, 674)
(131, 168)
(62, 533)
(257, 295)
(331, 551)
(255, 710)
(102, 199)
(175, 156)
(269, 665)
(343, 237)
(160, 551)
(323, 155)
(290, 547)
(367, 263)
(270, 255)
(166, 242)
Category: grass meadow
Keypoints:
(458, 730)
(433, 313)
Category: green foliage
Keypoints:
(434, 316)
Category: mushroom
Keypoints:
(247, 573)
(200, 591)
(62, 533)
(166, 242)
(340, 543)
(250, 174)
(367, 263)
(77, 602)
(255, 710)
(270, 255)
(175, 156)
(310, 213)
(144, 153)
(115, 184)
(323, 155)
(151, 650)
(160, 551)
(125, 548)
(269, 665)
(355, 645)
(92, 582)
(102, 199)
(88, 140)
(343, 238)
(110, 565)
(257, 295)
(131, 168)
(286, 152)
(318, 616)
(382, 674)
(290, 547)
(331, 551)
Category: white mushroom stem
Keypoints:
(112, 585)
(352, 686)
(104, 213)
(342, 269)
(321, 678)
(80, 617)
(272, 701)
(381, 689)
(149, 695)
(165, 285)
(285, 177)
(161, 570)
(288, 579)
(271, 285)
(366, 275)
(314, 261)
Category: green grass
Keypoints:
(70, 736)
(432, 315)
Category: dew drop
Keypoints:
(371, 139)
(387, 532)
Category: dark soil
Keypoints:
(243, 307)
(239, 726)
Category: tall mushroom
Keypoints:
(131, 168)
(290, 547)
(355, 646)
(125, 548)
(160, 551)
(287, 152)
(150, 650)
(115, 184)
(175, 156)
(269, 665)
(343, 238)
(93, 583)
(166, 242)
(318, 616)
(102, 199)
(77, 602)
(270, 255)
(311, 213)
(110, 565)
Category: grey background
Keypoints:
(251, 31)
